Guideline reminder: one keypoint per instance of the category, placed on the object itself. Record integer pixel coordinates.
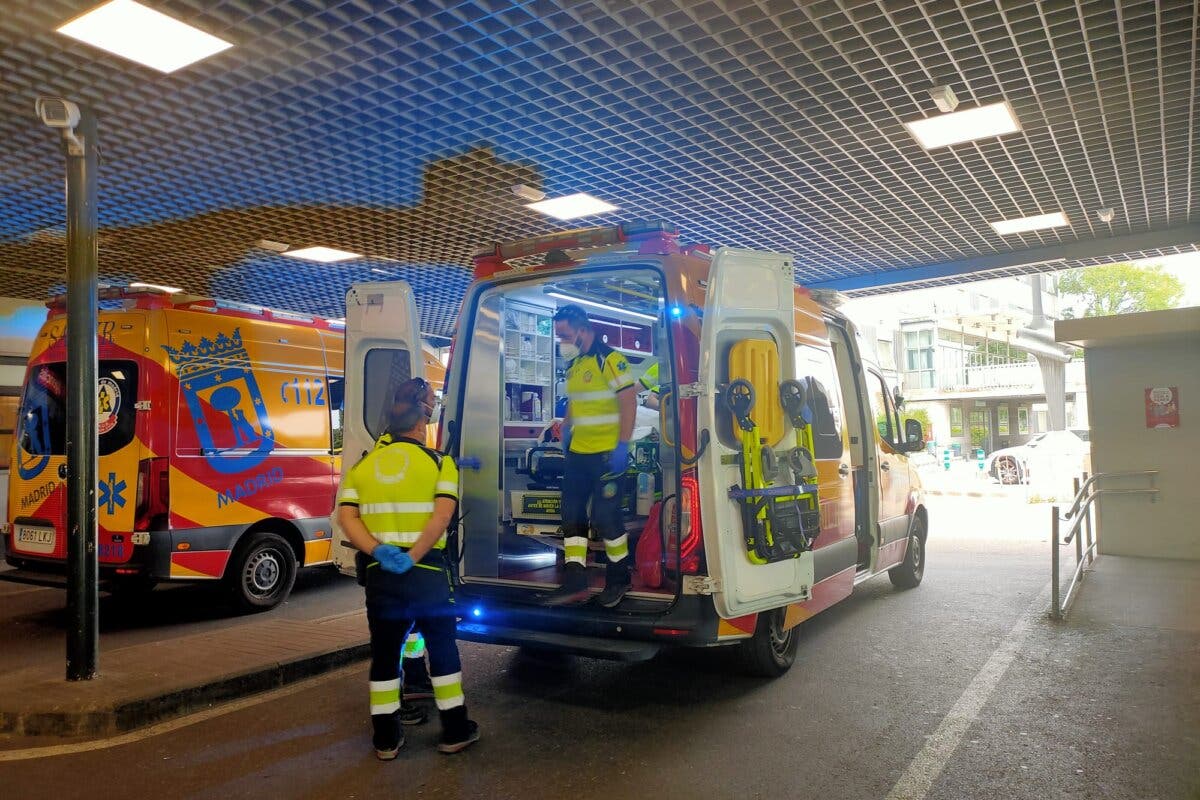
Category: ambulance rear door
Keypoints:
(749, 299)
(383, 349)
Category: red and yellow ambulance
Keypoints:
(220, 428)
(772, 480)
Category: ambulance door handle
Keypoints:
(886, 466)
(844, 470)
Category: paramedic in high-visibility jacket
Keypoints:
(394, 506)
(601, 406)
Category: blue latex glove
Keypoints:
(566, 438)
(618, 459)
(392, 558)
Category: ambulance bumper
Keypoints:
(574, 644)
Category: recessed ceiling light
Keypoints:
(167, 289)
(141, 34)
(1006, 226)
(326, 255)
(572, 206)
(996, 119)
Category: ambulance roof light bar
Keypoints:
(653, 237)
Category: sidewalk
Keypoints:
(145, 683)
(965, 479)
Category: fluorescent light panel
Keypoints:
(167, 289)
(618, 312)
(141, 34)
(572, 206)
(996, 119)
(1009, 226)
(326, 255)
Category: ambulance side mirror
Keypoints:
(914, 435)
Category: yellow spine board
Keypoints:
(757, 361)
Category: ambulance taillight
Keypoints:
(689, 525)
(153, 494)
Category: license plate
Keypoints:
(34, 540)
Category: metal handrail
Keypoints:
(1081, 511)
(1081, 488)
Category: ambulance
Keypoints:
(771, 481)
(220, 436)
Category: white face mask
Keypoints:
(569, 351)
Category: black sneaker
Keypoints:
(384, 749)
(412, 715)
(574, 589)
(614, 593)
(616, 584)
(449, 746)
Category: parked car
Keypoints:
(1053, 450)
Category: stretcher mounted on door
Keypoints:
(778, 497)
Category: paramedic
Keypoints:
(601, 408)
(394, 506)
(649, 382)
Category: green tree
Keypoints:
(1121, 289)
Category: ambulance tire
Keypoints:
(908, 574)
(771, 651)
(262, 572)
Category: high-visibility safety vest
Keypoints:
(394, 488)
(593, 381)
(649, 378)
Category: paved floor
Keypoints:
(958, 689)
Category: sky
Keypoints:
(1186, 267)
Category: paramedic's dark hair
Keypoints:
(408, 405)
(575, 316)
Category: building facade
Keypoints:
(962, 356)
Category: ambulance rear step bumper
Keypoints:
(590, 646)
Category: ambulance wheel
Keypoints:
(910, 571)
(772, 650)
(261, 573)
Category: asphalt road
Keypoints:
(952, 690)
(33, 619)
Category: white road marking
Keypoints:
(172, 724)
(928, 764)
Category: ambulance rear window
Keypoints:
(42, 421)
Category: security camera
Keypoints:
(64, 115)
(58, 113)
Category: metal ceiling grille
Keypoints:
(395, 131)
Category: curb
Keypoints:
(142, 711)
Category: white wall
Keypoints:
(1117, 378)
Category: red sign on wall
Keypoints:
(1162, 407)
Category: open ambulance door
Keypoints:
(748, 333)
(383, 349)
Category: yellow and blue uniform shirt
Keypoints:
(395, 486)
(593, 381)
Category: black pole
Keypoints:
(82, 593)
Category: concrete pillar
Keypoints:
(1054, 378)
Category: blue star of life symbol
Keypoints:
(111, 493)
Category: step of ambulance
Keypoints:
(589, 646)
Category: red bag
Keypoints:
(648, 556)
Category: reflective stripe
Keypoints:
(603, 419)
(575, 549)
(407, 539)
(385, 696)
(446, 486)
(619, 384)
(414, 646)
(617, 549)
(448, 691)
(396, 508)
(349, 493)
(581, 397)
